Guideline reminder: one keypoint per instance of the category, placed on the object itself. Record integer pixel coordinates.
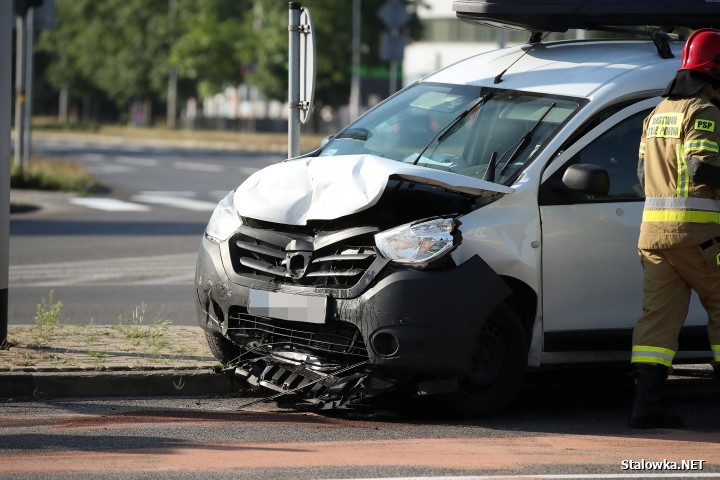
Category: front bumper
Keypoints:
(416, 322)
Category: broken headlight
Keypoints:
(419, 243)
(224, 220)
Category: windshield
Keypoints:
(458, 129)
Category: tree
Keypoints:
(333, 38)
(213, 43)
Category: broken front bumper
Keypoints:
(406, 322)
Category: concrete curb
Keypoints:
(105, 361)
(47, 385)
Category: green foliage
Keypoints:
(47, 317)
(64, 176)
(123, 49)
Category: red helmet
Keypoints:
(701, 52)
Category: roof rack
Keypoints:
(562, 15)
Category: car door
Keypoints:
(591, 273)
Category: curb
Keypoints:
(176, 382)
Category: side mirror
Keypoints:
(587, 179)
(326, 140)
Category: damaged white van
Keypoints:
(479, 222)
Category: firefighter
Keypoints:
(679, 243)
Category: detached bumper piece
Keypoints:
(341, 388)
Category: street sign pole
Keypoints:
(6, 18)
(29, 74)
(294, 80)
(19, 90)
(355, 80)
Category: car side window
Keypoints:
(616, 151)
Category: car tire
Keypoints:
(224, 350)
(498, 367)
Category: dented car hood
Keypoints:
(326, 188)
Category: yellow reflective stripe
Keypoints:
(642, 149)
(695, 216)
(682, 179)
(702, 146)
(716, 352)
(648, 354)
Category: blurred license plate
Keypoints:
(286, 306)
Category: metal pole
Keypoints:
(355, 81)
(5, 104)
(29, 63)
(19, 90)
(294, 80)
(172, 77)
(393, 68)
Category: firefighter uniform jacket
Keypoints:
(679, 168)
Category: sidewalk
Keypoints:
(109, 360)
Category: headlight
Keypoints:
(224, 220)
(418, 244)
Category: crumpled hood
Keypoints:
(326, 188)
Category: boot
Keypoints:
(648, 409)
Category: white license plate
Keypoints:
(287, 306)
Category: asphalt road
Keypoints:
(567, 425)
(129, 249)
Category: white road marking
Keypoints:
(113, 168)
(178, 202)
(175, 269)
(109, 204)
(139, 162)
(581, 476)
(199, 167)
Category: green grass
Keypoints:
(55, 175)
(237, 139)
(47, 317)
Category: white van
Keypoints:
(479, 222)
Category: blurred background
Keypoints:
(222, 64)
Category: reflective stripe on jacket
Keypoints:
(680, 171)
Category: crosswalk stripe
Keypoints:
(200, 167)
(109, 204)
(178, 202)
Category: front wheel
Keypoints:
(498, 367)
(224, 350)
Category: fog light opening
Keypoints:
(385, 344)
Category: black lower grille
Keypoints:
(336, 340)
(335, 260)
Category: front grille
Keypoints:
(335, 340)
(335, 260)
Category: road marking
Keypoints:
(177, 202)
(139, 162)
(109, 204)
(582, 476)
(114, 168)
(175, 269)
(199, 167)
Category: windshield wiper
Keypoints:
(446, 130)
(525, 139)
